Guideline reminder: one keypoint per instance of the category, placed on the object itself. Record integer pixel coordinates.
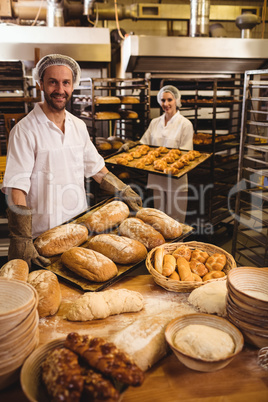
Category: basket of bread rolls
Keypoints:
(182, 267)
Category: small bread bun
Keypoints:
(159, 259)
(136, 154)
(143, 148)
(178, 165)
(126, 156)
(199, 255)
(198, 268)
(196, 278)
(168, 159)
(140, 164)
(149, 160)
(160, 165)
(169, 265)
(122, 161)
(183, 251)
(184, 269)
(15, 269)
(175, 276)
(213, 275)
(154, 153)
(171, 170)
(216, 262)
(162, 150)
(185, 160)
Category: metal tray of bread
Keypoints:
(113, 160)
(62, 272)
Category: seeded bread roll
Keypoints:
(89, 264)
(136, 229)
(15, 269)
(61, 238)
(107, 217)
(120, 249)
(49, 294)
(167, 226)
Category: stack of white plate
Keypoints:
(247, 303)
(19, 334)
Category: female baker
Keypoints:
(171, 130)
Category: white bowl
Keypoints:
(203, 319)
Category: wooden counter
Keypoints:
(168, 380)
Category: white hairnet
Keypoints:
(57, 60)
(173, 90)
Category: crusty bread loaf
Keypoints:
(97, 305)
(107, 99)
(128, 114)
(136, 229)
(120, 249)
(107, 217)
(167, 226)
(61, 238)
(89, 264)
(130, 99)
(107, 115)
(15, 269)
(49, 294)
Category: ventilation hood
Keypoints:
(153, 54)
(83, 44)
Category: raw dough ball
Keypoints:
(204, 342)
(210, 298)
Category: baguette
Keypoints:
(184, 269)
(89, 264)
(97, 305)
(61, 238)
(135, 228)
(167, 226)
(120, 249)
(169, 265)
(107, 217)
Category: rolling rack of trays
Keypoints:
(85, 105)
(213, 105)
(250, 239)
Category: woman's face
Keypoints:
(168, 103)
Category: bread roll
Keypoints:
(184, 269)
(196, 278)
(216, 262)
(199, 255)
(135, 228)
(183, 251)
(107, 217)
(97, 305)
(213, 275)
(167, 226)
(15, 269)
(49, 294)
(89, 264)
(159, 259)
(175, 276)
(61, 238)
(169, 265)
(122, 161)
(198, 268)
(120, 249)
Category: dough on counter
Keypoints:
(210, 298)
(204, 342)
(92, 306)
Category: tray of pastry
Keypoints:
(75, 279)
(159, 160)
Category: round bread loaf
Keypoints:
(61, 238)
(167, 226)
(15, 269)
(119, 249)
(107, 217)
(49, 294)
(89, 264)
(136, 229)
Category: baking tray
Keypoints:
(123, 270)
(111, 160)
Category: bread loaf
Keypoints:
(107, 217)
(169, 265)
(167, 226)
(130, 99)
(107, 99)
(15, 269)
(136, 229)
(93, 306)
(184, 269)
(48, 289)
(107, 115)
(89, 264)
(120, 249)
(61, 238)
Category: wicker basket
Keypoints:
(187, 286)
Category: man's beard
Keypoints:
(54, 104)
